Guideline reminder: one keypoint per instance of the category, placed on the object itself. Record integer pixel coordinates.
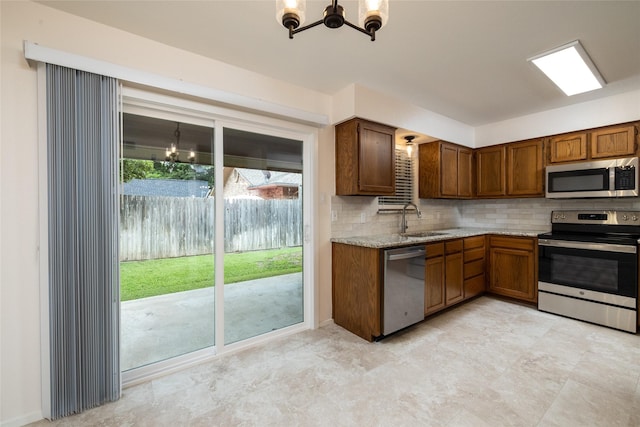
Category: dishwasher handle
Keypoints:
(414, 253)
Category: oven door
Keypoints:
(600, 267)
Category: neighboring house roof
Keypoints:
(166, 187)
(258, 178)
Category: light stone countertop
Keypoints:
(384, 241)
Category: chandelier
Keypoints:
(172, 153)
(372, 14)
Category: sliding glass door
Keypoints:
(166, 240)
(186, 198)
(263, 234)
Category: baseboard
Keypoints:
(22, 420)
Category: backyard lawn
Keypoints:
(141, 279)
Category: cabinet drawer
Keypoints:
(453, 246)
(434, 250)
(473, 254)
(473, 287)
(473, 242)
(523, 243)
(474, 268)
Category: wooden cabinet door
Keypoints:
(513, 268)
(365, 159)
(377, 160)
(453, 277)
(613, 142)
(525, 171)
(465, 172)
(568, 148)
(357, 289)
(434, 291)
(448, 170)
(490, 168)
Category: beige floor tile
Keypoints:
(485, 363)
(582, 405)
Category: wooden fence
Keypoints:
(166, 227)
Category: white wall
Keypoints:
(359, 101)
(614, 109)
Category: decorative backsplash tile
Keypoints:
(358, 216)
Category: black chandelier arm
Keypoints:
(372, 34)
(293, 31)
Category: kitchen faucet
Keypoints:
(403, 224)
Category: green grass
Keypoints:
(141, 279)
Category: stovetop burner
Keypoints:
(616, 227)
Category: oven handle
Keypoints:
(604, 247)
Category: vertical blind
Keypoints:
(82, 156)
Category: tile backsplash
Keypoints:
(358, 216)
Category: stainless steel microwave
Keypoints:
(600, 178)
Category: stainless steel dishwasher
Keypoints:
(403, 289)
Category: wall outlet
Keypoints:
(363, 218)
(334, 216)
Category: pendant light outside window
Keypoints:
(372, 14)
(172, 153)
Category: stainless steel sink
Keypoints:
(423, 234)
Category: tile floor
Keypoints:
(486, 363)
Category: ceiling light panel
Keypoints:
(570, 68)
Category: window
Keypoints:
(404, 183)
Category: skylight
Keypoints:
(570, 68)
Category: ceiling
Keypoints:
(466, 60)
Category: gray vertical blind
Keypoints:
(82, 156)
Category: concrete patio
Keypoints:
(160, 327)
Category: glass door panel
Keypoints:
(166, 240)
(263, 234)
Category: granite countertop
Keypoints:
(395, 240)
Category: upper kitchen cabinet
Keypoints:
(616, 141)
(525, 169)
(568, 148)
(445, 171)
(511, 170)
(491, 171)
(365, 159)
(607, 142)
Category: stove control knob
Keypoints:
(634, 218)
(625, 217)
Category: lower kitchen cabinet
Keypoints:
(453, 274)
(474, 266)
(434, 292)
(454, 270)
(357, 289)
(513, 271)
(443, 277)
